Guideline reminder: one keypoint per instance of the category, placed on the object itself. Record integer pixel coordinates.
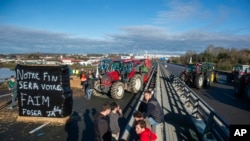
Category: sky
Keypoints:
(123, 26)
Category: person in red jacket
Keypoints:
(144, 133)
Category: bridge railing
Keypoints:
(209, 123)
(126, 134)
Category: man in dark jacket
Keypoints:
(154, 112)
(89, 87)
(101, 124)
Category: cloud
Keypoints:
(181, 13)
(182, 16)
(133, 39)
(21, 40)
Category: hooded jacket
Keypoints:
(147, 135)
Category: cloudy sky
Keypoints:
(122, 26)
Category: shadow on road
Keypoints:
(88, 132)
(72, 128)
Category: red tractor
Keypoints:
(199, 75)
(242, 84)
(237, 72)
(123, 75)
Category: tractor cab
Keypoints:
(237, 72)
(116, 66)
(104, 65)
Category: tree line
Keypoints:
(224, 59)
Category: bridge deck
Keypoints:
(178, 124)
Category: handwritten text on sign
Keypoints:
(39, 91)
(29, 81)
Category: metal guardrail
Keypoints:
(125, 135)
(209, 123)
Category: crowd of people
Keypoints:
(106, 121)
(107, 126)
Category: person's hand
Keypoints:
(119, 110)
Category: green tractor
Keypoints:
(199, 74)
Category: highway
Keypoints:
(79, 126)
(220, 96)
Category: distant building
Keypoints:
(68, 61)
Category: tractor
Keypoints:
(129, 75)
(237, 72)
(242, 84)
(199, 75)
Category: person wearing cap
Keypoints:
(154, 112)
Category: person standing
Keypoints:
(89, 87)
(12, 85)
(116, 113)
(83, 78)
(101, 123)
(144, 133)
(154, 112)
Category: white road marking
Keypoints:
(36, 129)
(5, 95)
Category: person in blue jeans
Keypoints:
(89, 86)
(12, 85)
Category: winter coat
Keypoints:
(114, 124)
(101, 126)
(154, 110)
(90, 83)
(147, 135)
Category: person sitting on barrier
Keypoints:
(139, 116)
(154, 112)
(144, 133)
(101, 124)
(115, 114)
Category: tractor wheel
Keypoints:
(216, 77)
(136, 83)
(237, 90)
(199, 79)
(247, 91)
(183, 77)
(207, 81)
(117, 90)
(97, 87)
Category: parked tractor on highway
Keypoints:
(237, 72)
(123, 75)
(199, 74)
(242, 84)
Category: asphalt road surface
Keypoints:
(78, 127)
